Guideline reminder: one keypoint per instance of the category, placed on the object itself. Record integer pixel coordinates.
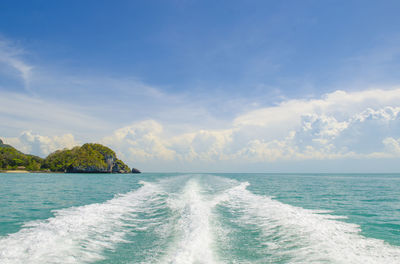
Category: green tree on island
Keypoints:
(89, 158)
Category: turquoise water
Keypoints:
(200, 218)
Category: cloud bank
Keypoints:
(361, 125)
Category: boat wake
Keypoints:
(193, 219)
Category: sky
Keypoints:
(206, 86)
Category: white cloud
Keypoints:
(339, 125)
(392, 146)
(10, 59)
(140, 141)
(45, 117)
(31, 143)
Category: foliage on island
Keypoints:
(90, 158)
(12, 159)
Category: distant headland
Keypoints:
(88, 158)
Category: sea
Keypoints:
(199, 218)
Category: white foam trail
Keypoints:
(297, 235)
(287, 234)
(195, 240)
(78, 234)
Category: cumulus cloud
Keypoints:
(140, 141)
(32, 143)
(338, 125)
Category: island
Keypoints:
(88, 158)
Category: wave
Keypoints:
(289, 234)
(80, 234)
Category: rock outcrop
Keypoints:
(134, 170)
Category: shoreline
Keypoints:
(60, 172)
(15, 171)
(26, 171)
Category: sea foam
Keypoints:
(77, 234)
(194, 242)
(292, 234)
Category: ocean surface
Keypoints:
(199, 218)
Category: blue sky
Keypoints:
(206, 85)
